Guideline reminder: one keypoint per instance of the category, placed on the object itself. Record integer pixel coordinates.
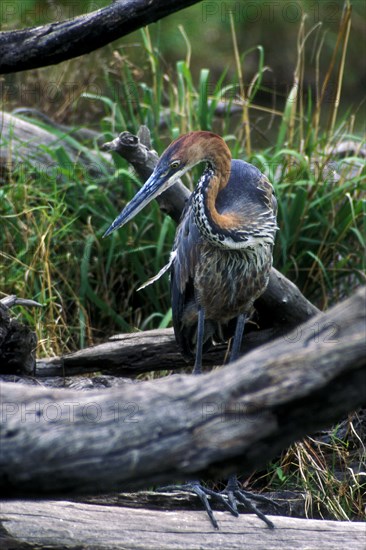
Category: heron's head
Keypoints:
(181, 155)
(171, 166)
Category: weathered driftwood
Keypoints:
(76, 382)
(56, 442)
(55, 42)
(63, 524)
(79, 133)
(20, 149)
(282, 304)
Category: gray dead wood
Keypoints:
(20, 149)
(55, 42)
(79, 133)
(135, 353)
(70, 525)
(282, 304)
(62, 442)
(124, 355)
(75, 382)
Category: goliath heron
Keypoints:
(221, 258)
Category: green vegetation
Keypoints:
(329, 468)
(52, 221)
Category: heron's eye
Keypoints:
(175, 164)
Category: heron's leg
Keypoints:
(203, 493)
(232, 494)
(235, 495)
(199, 344)
(232, 484)
(195, 486)
(238, 336)
(232, 490)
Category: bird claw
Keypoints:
(245, 498)
(235, 495)
(202, 493)
(229, 498)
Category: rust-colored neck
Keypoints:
(196, 147)
(214, 150)
(207, 146)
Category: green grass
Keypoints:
(51, 244)
(52, 222)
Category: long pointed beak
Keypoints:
(153, 187)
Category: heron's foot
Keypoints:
(229, 498)
(203, 493)
(235, 494)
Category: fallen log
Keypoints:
(138, 352)
(20, 150)
(126, 355)
(63, 524)
(57, 443)
(55, 42)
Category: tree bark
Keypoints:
(59, 443)
(55, 42)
